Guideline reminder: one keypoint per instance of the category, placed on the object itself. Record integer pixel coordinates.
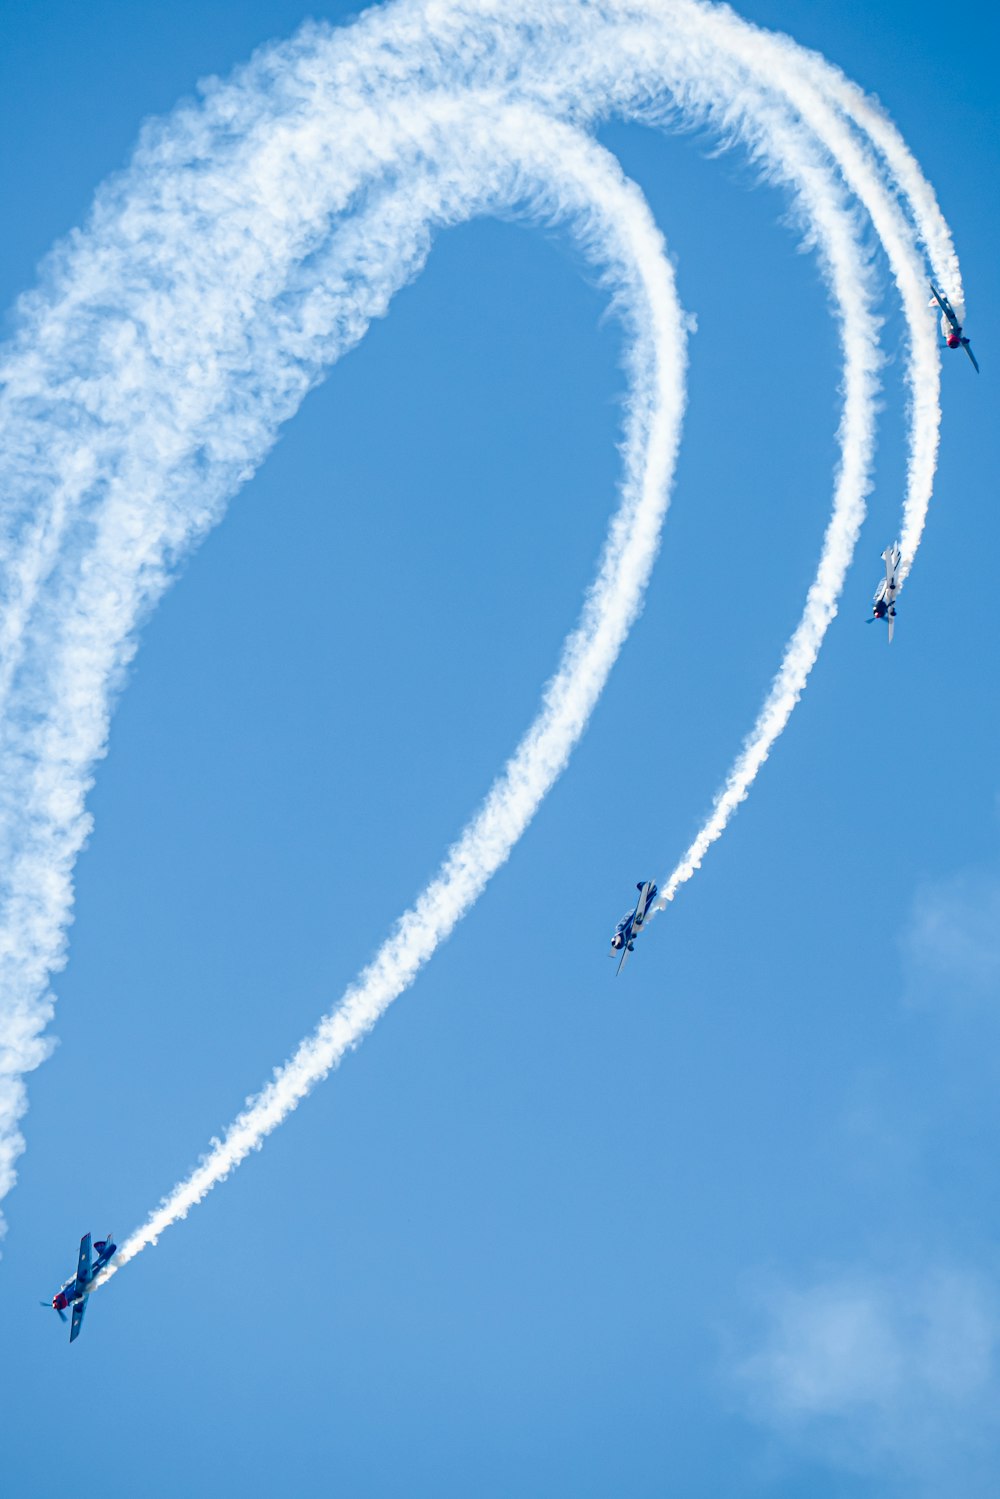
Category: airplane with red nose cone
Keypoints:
(951, 328)
(75, 1291)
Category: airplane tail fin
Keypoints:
(892, 557)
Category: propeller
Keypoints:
(54, 1309)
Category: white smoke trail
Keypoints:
(817, 91)
(776, 56)
(368, 259)
(910, 181)
(621, 230)
(249, 245)
(473, 860)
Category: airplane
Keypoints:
(884, 606)
(951, 328)
(632, 923)
(75, 1291)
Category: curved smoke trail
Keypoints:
(247, 247)
(621, 235)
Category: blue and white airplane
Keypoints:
(632, 924)
(884, 606)
(76, 1290)
(951, 328)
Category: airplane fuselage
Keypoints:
(624, 933)
(951, 328)
(70, 1292)
(76, 1288)
(884, 603)
(633, 922)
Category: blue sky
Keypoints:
(727, 1226)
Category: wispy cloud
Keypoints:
(895, 1376)
(891, 1369)
(951, 945)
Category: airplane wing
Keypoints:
(83, 1263)
(892, 557)
(79, 1307)
(621, 960)
(968, 349)
(944, 305)
(640, 910)
(890, 621)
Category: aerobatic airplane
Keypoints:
(951, 328)
(884, 606)
(633, 922)
(76, 1290)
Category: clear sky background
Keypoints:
(726, 1226)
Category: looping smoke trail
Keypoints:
(620, 231)
(248, 247)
